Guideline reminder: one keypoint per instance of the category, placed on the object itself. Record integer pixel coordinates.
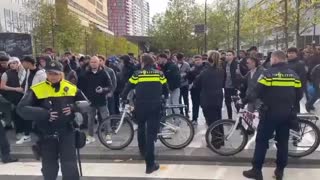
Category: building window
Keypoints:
(99, 6)
(92, 2)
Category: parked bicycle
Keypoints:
(176, 131)
(222, 133)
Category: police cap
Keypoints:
(54, 66)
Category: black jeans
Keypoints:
(270, 123)
(116, 96)
(64, 149)
(213, 113)
(184, 93)
(5, 107)
(228, 93)
(111, 105)
(148, 117)
(195, 97)
(4, 144)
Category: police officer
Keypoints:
(149, 84)
(50, 104)
(279, 89)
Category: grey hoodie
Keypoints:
(184, 68)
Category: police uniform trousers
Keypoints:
(148, 117)
(272, 122)
(4, 144)
(63, 148)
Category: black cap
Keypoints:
(29, 59)
(4, 58)
(54, 66)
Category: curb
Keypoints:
(164, 154)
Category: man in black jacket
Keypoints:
(231, 81)
(298, 66)
(171, 72)
(95, 84)
(195, 71)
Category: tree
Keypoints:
(53, 29)
(173, 29)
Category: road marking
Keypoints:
(170, 171)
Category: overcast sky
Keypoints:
(159, 6)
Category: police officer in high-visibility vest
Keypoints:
(279, 89)
(150, 85)
(51, 105)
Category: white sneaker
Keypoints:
(24, 139)
(19, 136)
(109, 139)
(90, 140)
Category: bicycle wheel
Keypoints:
(217, 133)
(176, 131)
(307, 142)
(122, 138)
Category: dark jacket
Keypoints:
(234, 77)
(150, 85)
(124, 75)
(89, 82)
(194, 73)
(279, 89)
(315, 75)
(243, 66)
(171, 72)
(210, 82)
(312, 62)
(112, 76)
(13, 81)
(249, 83)
(45, 97)
(299, 68)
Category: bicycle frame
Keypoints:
(126, 110)
(293, 133)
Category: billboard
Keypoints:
(16, 44)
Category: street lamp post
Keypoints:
(238, 27)
(206, 29)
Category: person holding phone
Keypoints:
(96, 84)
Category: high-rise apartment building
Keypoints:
(128, 17)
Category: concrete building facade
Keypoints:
(13, 18)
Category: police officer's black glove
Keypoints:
(239, 105)
(53, 115)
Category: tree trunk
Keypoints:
(298, 24)
(286, 24)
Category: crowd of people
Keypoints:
(209, 79)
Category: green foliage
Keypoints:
(173, 28)
(63, 31)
